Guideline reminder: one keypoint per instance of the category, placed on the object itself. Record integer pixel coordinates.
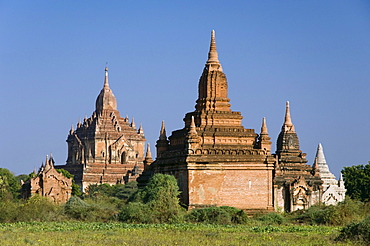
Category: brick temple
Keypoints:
(105, 148)
(218, 162)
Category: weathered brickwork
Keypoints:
(49, 183)
(218, 162)
(105, 148)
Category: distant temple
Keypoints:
(105, 148)
(49, 183)
(333, 190)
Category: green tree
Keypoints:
(158, 202)
(9, 185)
(357, 181)
(120, 191)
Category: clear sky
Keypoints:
(315, 54)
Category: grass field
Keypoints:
(79, 233)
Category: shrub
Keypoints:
(39, 208)
(161, 201)
(9, 211)
(317, 214)
(136, 212)
(272, 219)
(120, 191)
(359, 231)
(342, 214)
(217, 215)
(91, 210)
(76, 208)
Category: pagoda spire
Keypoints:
(106, 98)
(141, 130)
(264, 139)
(106, 84)
(133, 123)
(315, 167)
(264, 130)
(288, 125)
(212, 87)
(162, 143)
(322, 165)
(162, 133)
(212, 54)
(192, 126)
(148, 154)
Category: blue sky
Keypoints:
(315, 54)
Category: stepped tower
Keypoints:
(296, 184)
(214, 158)
(105, 148)
(333, 190)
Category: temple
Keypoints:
(333, 189)
(48, 182)
(297, 185)
(218, 162)
(215, 159)
(105, 148)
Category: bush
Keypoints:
(357, 231)
(272, 219)
(161, 201)
(39, 208)
(136, 212)
(76, 208)
(218, 215)
(91, 210)
(9, 211)
(120, 191)
(342, 214)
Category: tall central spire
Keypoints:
(212, 89)
(212, 54)
(106, 98)
(106, 85)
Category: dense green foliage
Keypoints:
(359, 231)
(158, 202)
(342, 214)
(9, 185)
(119, 191)
(217, 215)
(91, 210)
(272, 219)
(357, 181)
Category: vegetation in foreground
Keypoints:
(83, 233)
(122, 214)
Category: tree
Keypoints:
(158, 202)
(9, 186)
(357, 181)
(120, 191)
